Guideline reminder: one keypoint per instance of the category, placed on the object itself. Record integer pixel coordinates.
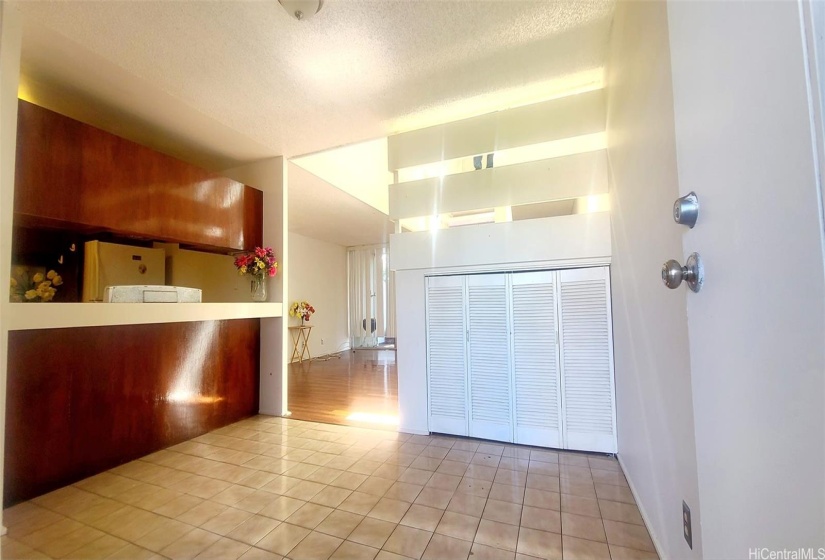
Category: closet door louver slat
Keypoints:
(586, 362)
(535, 360)
(446, 355)
(489, 357)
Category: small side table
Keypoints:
(300, 343)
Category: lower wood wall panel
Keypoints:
(83, 400)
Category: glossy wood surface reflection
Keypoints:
(75, 176)
(82, 400)
(358, 389)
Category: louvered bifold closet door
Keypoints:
(536, 378)
(446, 355)
(489, 357)
(587, 369)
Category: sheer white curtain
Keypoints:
(390, 333)
(369, 295)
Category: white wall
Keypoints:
(531, 182)
(411, 354)
(567, 238)
(757, 329)
(319, 275)
(814, 17)
(652, 364)
(270, 176)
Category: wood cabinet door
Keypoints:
(74, 176)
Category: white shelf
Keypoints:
(27, 316)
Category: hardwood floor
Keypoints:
(358, 389)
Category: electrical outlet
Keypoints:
(322, 342)
(686, 524)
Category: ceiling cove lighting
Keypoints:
(302, 9)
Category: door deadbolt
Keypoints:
(686, 210)
(693, 273)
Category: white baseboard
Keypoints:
(331, 353)
(639, 504)
(341, 349)
(414, 431)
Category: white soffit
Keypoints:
(358, 169)
(319, 210)
(512, 156)
(524, 183)
(565, 117)
(562, 238)
(543, 210)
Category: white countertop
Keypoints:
(25, 316)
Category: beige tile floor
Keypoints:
(269, 488)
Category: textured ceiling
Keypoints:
(229, 82)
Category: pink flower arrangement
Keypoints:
(259, 262)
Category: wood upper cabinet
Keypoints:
(74, 176)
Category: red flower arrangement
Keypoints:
(259, 262)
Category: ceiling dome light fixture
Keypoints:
(302, 9)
